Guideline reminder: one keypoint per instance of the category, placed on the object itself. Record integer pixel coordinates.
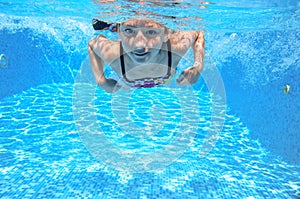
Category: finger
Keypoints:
(180, 78)
(116, 87)
(184, 82)
(184, 78)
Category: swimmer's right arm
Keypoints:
(96, 48)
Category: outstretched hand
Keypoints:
(188, 76)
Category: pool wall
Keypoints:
(271, 115)
(33, 60)
(256, 67)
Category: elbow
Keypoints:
(90, 45)
(201, 38)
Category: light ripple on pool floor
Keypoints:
(42, 155)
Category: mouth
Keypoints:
(140, 54)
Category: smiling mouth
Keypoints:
(138, 54)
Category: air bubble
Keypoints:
(3, 61)
(233, 35)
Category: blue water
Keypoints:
(62, 137)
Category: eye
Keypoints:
(152, 33)
(128, 31)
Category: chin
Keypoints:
(140, 59)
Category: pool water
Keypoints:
(63, 137)
(42, 155)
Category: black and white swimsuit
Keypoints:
(146, 82)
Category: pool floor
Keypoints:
(43, 156)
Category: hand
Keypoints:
(110, 85)
(188, 76)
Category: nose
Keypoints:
(140, 41)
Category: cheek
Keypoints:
(155, 42)
(127, 43)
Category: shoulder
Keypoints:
(108, 50)
(181, 41)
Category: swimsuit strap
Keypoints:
(169, 58)
(123, 63)
(122, 60)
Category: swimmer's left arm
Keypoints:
(192, 74)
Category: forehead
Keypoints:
(143, 24)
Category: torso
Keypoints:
(153, 70)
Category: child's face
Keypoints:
(142, 39)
